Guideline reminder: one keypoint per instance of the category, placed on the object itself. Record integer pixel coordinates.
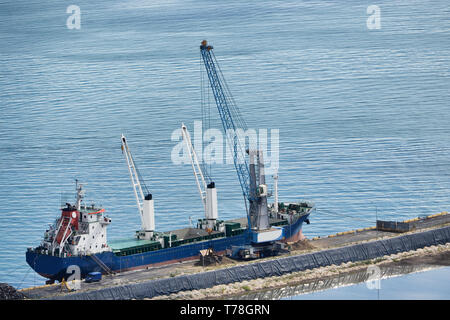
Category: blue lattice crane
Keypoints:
(225, 104)
(251, 177)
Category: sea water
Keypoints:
(362, 109)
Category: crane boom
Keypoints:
(224, 100)
(135, 181)
(199, 178)
(144, 201)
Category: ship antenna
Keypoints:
(80, 194)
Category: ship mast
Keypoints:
(80, 194)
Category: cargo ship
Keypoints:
(78, 238)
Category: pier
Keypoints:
(347, 246)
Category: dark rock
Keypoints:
(8, 292)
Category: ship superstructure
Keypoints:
(80, 230)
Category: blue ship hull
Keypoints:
(54, 267)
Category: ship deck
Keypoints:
(181, 236)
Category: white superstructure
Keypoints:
(81, 230)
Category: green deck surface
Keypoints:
(126, 247)
(129, 243)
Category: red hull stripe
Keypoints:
(100, 211)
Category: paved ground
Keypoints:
(347, 239)
(364, 235)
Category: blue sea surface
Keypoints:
(363, 115)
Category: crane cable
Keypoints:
(234, 108)
(206, 122)
(139, 176)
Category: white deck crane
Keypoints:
(144, 201)
(207, 191)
